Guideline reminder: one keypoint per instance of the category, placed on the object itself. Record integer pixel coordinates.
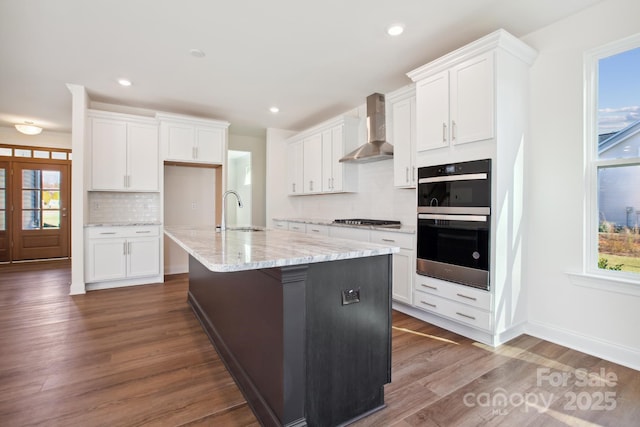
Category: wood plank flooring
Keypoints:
(137, 356)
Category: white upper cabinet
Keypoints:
(472, 107)
(456, 106)
(124, 152)
(467, 95)
(402, 131)
(192, 140)
(432, 110)
(313, 165)
(295, 160)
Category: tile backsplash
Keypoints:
(117, 207)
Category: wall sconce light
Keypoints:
(28, 128)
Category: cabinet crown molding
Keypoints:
(336, 121)
(181, 118)
(101, 114)
(499, 39)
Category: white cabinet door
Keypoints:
(143, 257)
(312, 164)
(472, 100)
(337, 151)
(209, 147)
(432, 112)
(180, 141)
(403, 115)
(327, 159)
(142, 157)
(403, 272)
(295, 163)
(108, 154)
(106, 260)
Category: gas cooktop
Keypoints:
(369, 222)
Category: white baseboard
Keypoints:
(616, 353)
(122, 283)
(176, 269)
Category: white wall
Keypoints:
(592, 320)
(10, 136)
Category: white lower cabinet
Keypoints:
(461, 303)
(121, 253)
(404, 263)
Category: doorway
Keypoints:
(239, 179)
(34, 205)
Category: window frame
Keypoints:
(592, 276)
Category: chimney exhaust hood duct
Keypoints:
(376, 148)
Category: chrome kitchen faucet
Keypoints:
(223, 226)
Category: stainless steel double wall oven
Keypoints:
(454, 222)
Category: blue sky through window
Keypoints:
(618, 91)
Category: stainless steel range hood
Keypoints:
(376, 148)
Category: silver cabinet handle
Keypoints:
(444, 132)
(294, 187)
(467, 297)
(453, 130)
(333, 187)
(310, 185)
(108, 232)
(413, 174)
(428, 303)
(388, 240)
(315, 231)
(429, 287)
(406, 173)
(124, 248)
(143, 232)
(465, 315)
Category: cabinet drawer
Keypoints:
(281, 225)
(317, 230)
(459, 312)
(405, 241)
(459, 293)
(117, 232)
(297, 227)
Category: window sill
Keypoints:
(605, 283)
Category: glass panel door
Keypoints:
(4, 219)
(41, 229)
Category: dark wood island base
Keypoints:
(307, 344)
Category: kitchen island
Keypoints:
(303, 323)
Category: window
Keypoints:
(613, 160)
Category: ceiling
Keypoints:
(312, 59)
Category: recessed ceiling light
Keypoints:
(197, 53)
(395, 30)
(274, 109)
(124, 82)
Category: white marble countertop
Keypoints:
(407, 229)
(236, 250)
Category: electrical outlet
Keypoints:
(96, 205)
(193, 205)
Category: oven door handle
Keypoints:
(474, 218)
(445, 178)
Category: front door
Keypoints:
(40, 221)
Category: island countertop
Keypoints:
(238, 250)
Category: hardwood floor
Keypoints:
(137, 356)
